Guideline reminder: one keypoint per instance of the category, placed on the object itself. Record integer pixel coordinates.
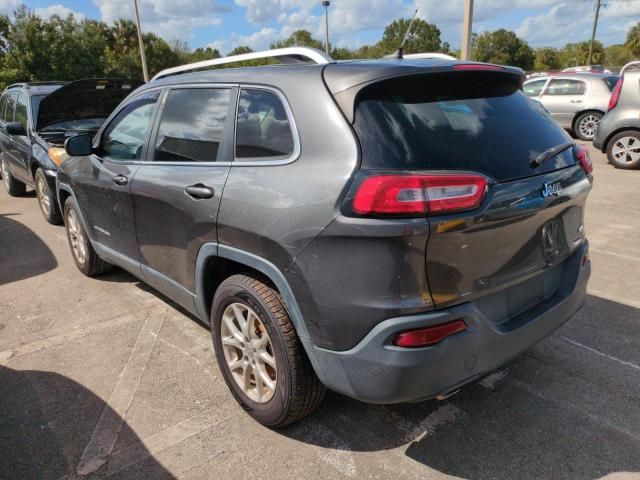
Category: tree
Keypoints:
(239, 50)
(299, 38)
(574, 54)
(547, 58)
(200, 54)
(633, 40)
(424, 37)
(617, 55)
(505, 48)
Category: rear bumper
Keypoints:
(376, 371)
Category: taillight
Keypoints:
(423, 337)
(582, 153)
(477, 66)
(615, 95)
(417, 195)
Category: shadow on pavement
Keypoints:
(46, 420)
(560, 412)
(15, 240)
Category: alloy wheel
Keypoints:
(43, 197)
(5, 175)
(248, 352)
(626, 149)
(588, 126)
(76, 237)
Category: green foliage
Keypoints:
(617, 56)
(547, 58)
(424, 37)
(505, 48)
(633, 40)
(574, 54)
(299, 38)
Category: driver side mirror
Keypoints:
(16, 128)
(79, 145)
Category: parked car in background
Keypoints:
(587, 69)
(618, 133)
(576, 101)
(37, 117)
(331, 221)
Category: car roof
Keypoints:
(37, 88)
(574, 76)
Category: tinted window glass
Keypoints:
(456, 122)
(125, 135)
(192, 124)
(533, 89)
(3, 104)
(565, 87)
(263, 128)
(11, 107)
(21, 110)
(611, 82)
(35, 106)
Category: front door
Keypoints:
(103, 192)
(176, 193)
(563, 98)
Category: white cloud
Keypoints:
(59, 10)
(8, 6)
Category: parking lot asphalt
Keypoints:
(105, 378)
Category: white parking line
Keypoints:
(597, 352)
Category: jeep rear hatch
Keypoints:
(84, 104)
(459, 147)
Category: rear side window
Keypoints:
(192, 125)
(263, 130)
(561, 86)
(533, 89)
(21, 115)
(3, 105)
(473, 121)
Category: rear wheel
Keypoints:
(623, 150)
(260, 355)
(585, 125)
(85, 257)
(13, 186)
(47, 200)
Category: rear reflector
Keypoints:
(423, 337)
(582, 153)
(417, 195)
(478, 66)
(615, 95)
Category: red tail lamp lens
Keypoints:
(582, 153)
(423, 337)
(615, 95)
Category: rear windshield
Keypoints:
(477, 121)
(611, 82)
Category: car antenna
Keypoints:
(406, 35)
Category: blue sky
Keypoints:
(225, 24)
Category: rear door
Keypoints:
(530, 220)
(563, 98)
(176, 193)
(21, 144)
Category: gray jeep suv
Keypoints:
(389, 229)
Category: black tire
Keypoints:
(46, 199)
(13, 187)
(587, 118)
(298, 392)
(626, 139)
(90, 263)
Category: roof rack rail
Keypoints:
(285, 55)
(635, 63)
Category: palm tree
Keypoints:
(633, 40)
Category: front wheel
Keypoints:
(623, 150)
(85, 257)
(47, 200)
(585, 125)
(260, 355)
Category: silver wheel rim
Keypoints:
(248, 352)
(587, 126)
(43, 198)
(5, 175)
(76, 237)
(626, 150)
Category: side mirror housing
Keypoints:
(16, 128)
(79, 145)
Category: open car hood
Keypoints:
(83, 99)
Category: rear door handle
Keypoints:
(120, 180)
(199, 191)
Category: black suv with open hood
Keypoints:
(35, 120)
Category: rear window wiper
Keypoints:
(550, 153)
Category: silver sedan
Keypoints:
(577, 101)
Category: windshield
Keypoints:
(35, 104)
(83, 124)
(471, 121)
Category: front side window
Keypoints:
(21, 110)
(125, 136)
(263, 130)
(565, 87)
(3, 105)
(11, 108)
(533, 89)
(192, 125)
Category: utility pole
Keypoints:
(593, 32)
(326, 4)
(143, 57)
(467, 27)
